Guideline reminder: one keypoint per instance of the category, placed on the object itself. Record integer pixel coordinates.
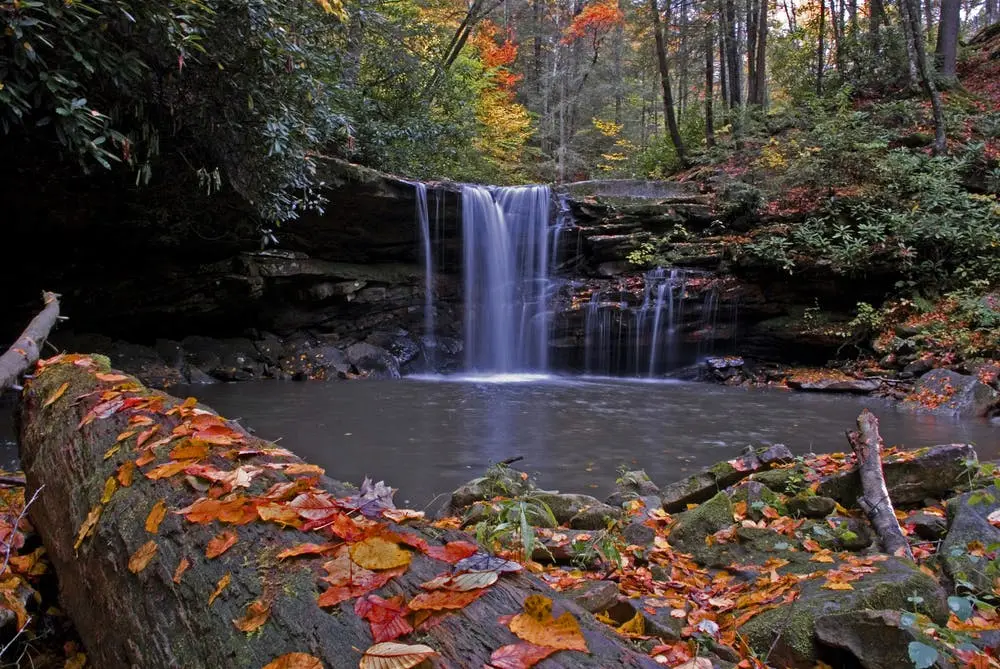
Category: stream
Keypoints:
(427, 436)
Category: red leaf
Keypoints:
(387, 617)
(452, 552)
(519, 656)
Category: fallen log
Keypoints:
(875, 501)
(141, 488)
(26, 350)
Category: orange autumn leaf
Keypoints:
(391, 655)
(182, 567)
(156, 516)
(142, 556)
(125, 473)
(189, 450)
(379, 553)
(519, 656)
(169, 469)
(305, 549)
(88, 525)
(256, 615)
(278, 513)
(56, 395)
(295, 661)
(111, 378)
(145, 435)
(835, 585)
(452, 552)
(439, 600)
(356, 585)
(220, 544)
(811, 545)
(220, 435)
(219, 587)
(145, 458)
(463, 581)
(536, 625)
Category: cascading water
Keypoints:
(424, 221)
(505, 253)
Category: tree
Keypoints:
(947, 39)
(668, 100)
(709, 83)
(912, 15)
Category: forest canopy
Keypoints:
(252, 93)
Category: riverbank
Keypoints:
(760, 559)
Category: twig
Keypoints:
(11, 480)
(10, 544)
(19, 632)
(510, 461)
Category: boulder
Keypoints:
(786, 480)
(837, 383)
(927, 526)
(811, 506)
(701, 486)
(594, 596)
(757, 496)
(910, 476)
(638, 534)
(691, 527)
(580, 512)
(787, 635)
(968, 523)
(948, 392)
(500, 481)
(372, 361)
(879, 639)
(638, 483)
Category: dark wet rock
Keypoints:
(968, 523)
(399, 344)
(834, 384)
(785, 480)
(638, 534)
(757, 497)
(879, 639)
(811, 506)
(638, 483)
(962, 395)
(372, 361)
(927, 526)
(701, 486)
(910, 476)
(499, 482)
(919, 366)
(786, 635)
(581, 512)
(594, 596)
(691, 527)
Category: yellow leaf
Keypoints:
(834, 585)
(88, 525)
(77, 661)
(56, 395)
(536, 625)
(379, 553)
(256, 615)
(169, 469)
(141, 557)
(635, 627)
(219, 587)
(391, 655)
(156, 516)
(109, 489)
(295, 661)
(108, 454)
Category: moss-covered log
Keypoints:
(84, 427)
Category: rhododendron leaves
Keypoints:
(439, 600)
(387, 617)
(256, 615)
(141, 557)
(306, 549)
(169, 469)
(536, 625)
(463, 581)
(220, 544)
(182, 567)
(391, 655)
(56, 395)
(519, 656)
(219, 587)
(453, 551)
(295, 661)
(379, 553)
(88, 525)
(156, 516)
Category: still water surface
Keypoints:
(427, 436)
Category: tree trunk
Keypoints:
(709, 85)
(28, 347)
(723, 77)
(159, 616)
(867, 446)
(911, 41)
(820, 56)
(733, 69)
(947, 40)
(752, 14)
(762, 54)
(668, 99)
(927, 77)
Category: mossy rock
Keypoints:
(758, 496)
(967, 520)
(500, 481)
(788, 480)
(581, 512)
(807, 505)
(786, 635)
(691, 527)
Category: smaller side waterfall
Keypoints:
(424, 222)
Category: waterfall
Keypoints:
(424, 221)
(505, 253)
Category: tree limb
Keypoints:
(867, 446)
(26, 350)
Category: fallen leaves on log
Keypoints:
(390, 655)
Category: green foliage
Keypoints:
(513, 524)
(922, 655)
